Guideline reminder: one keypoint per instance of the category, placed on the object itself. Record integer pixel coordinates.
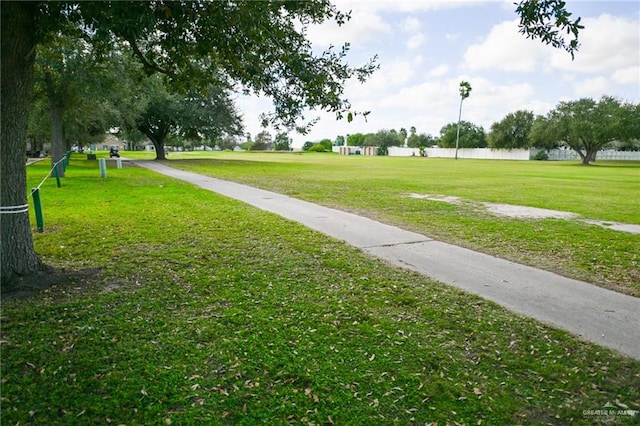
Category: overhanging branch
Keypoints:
(152, 66)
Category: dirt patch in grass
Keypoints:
(27, 286)
(444, 198)
(616, 226)
(525, 212)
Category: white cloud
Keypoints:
(629, 75)
(607, 43)
(436, 102)
(591, 87)
(538, 107)
(425, 95)
(490, 101)
(507, 5)
(403, 6)
(452, 37)
(411, 25)
(415, 42)
(503, 49)
(438, 71)
(391, 75)
(364, 25)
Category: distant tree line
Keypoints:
(584, 125)
(265, 142)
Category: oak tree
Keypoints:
(587, 126)
(282, 142)
(207, 115)
(512, 131)
(257, 47)
(462, 135)
(263, 142)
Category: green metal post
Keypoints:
(57, 173)
(35, 193)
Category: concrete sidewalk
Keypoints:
(602, 316)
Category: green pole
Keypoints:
(65, 161)
(57, 173)
(35, 193)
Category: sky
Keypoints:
(426, 48)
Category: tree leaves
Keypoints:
(465, 89)
(547, 20)
(471, 136)
(208, 113)
(512, 131)
(261, 48)
(586, 125)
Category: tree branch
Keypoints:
(148, 65)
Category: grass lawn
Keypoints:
(378, 187)
(209, 311)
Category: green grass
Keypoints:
(377, 187)
(208, 311)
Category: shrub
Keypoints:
(541, 156)
(317, 148)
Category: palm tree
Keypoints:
(465, 90)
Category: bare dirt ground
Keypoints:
(524, 212)
(24, 287)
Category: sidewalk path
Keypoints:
(601, 316)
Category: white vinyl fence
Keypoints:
(606, 154)
(509, 154)
(476, 153)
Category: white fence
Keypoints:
(509, 154)
(606, 154)
(476, 153)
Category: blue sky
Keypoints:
(427, 47)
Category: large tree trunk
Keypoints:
(584, 157)
(17, 253)
(157, 138)
(589, 155)
(58, 145)
(159, 146)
